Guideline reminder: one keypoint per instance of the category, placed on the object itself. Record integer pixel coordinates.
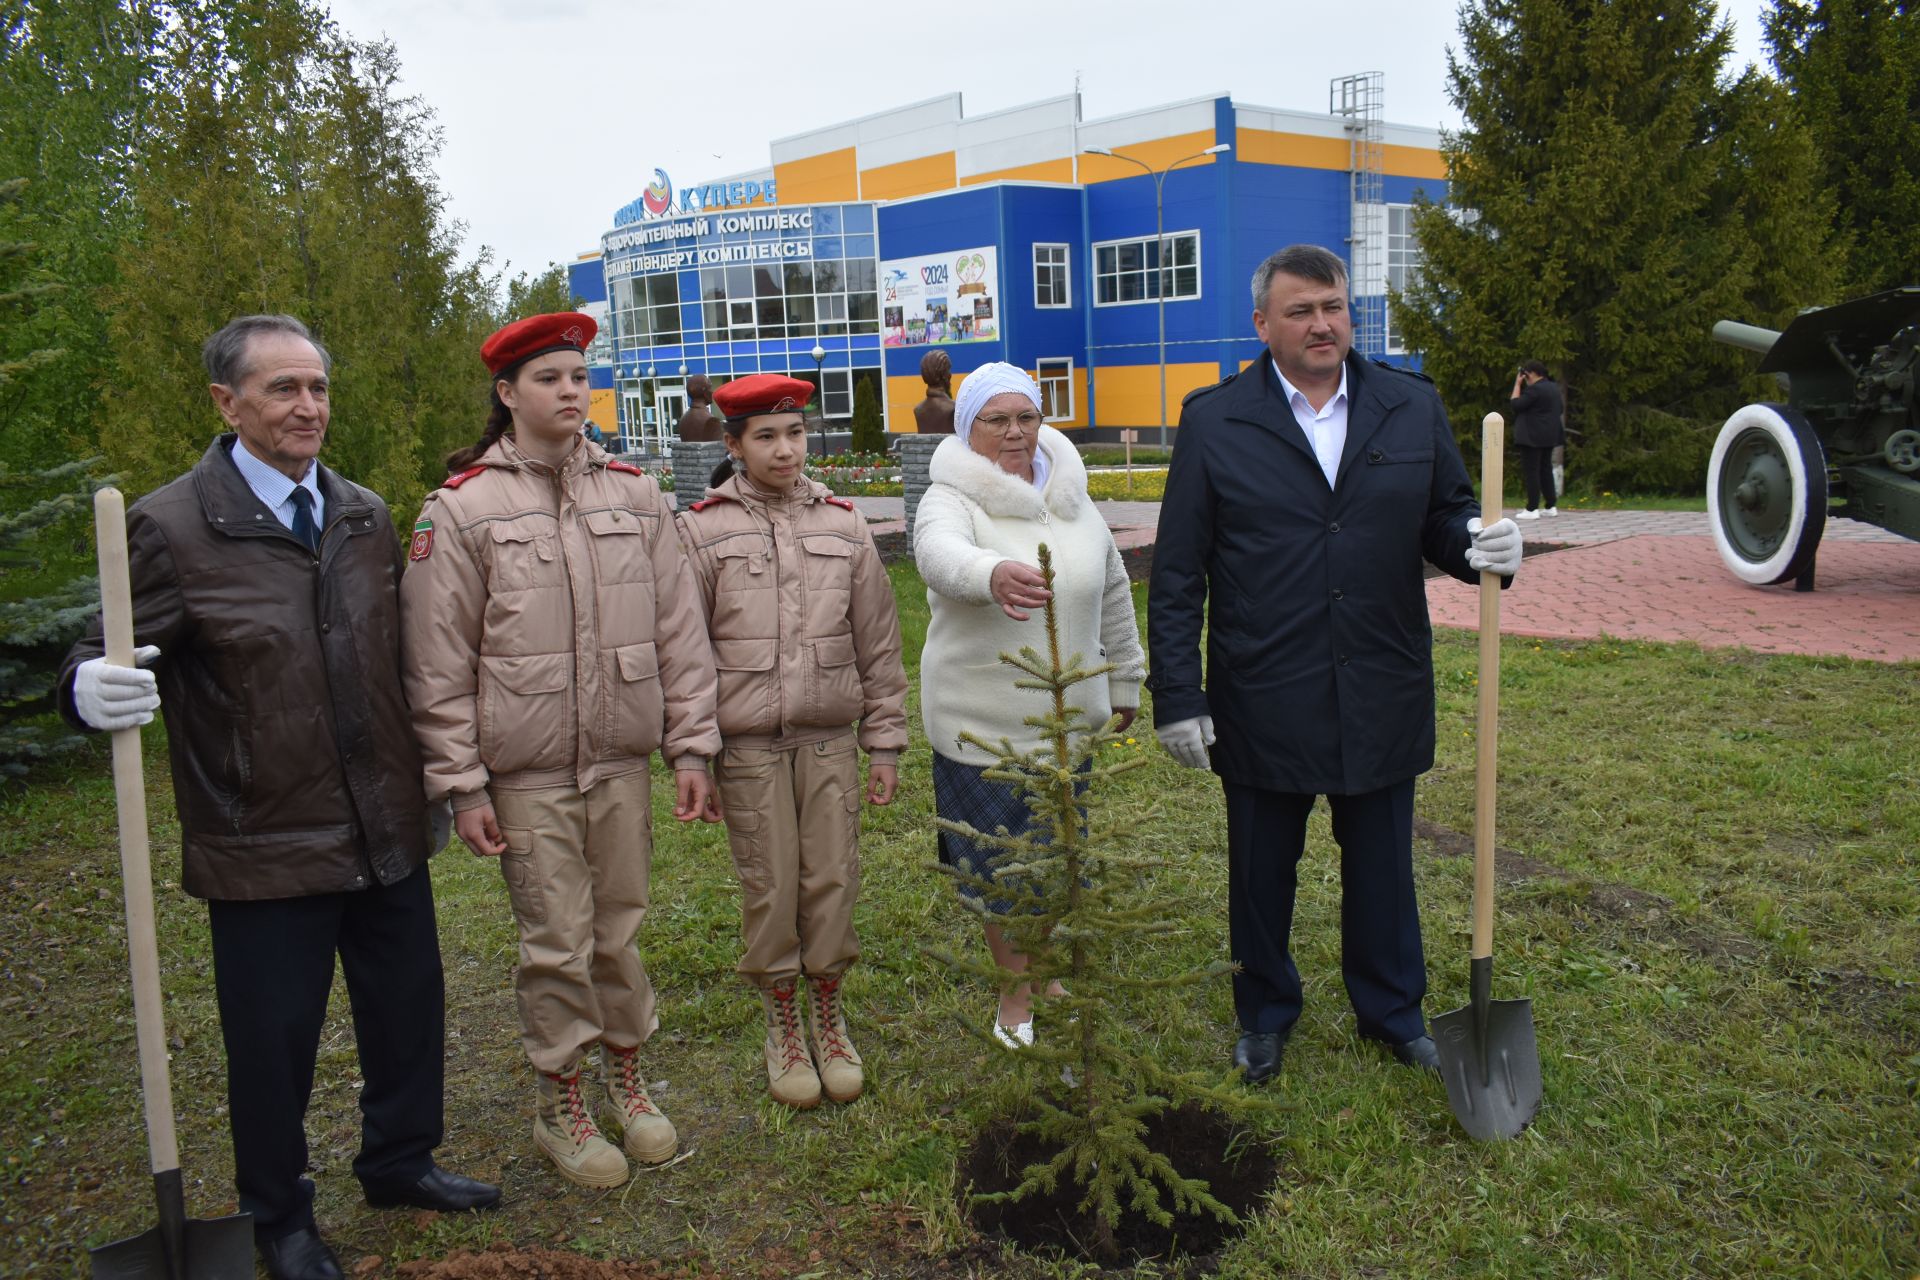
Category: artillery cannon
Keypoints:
(1846, 443)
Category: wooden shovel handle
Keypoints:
(136, 866)
(1487, 735)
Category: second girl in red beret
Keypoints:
(806, 640)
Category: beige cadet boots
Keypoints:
(564, 1131)
(833, 1053)
(647, 1135)
(791, 1078)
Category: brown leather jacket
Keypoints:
(553, 633)
(806, 634)
(295, 770)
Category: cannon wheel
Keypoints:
(1767, 493)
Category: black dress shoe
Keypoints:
(1417, 1053)
(1258, 1054)
(299, 1255)
(437, 1190)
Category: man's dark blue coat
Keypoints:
(1319, 649)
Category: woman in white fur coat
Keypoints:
(1004, 484)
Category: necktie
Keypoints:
(303, 526)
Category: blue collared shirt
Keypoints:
(275, 490)
(1326, 427)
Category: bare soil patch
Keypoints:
(1200, 1143)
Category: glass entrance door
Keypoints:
(673, 403)
(632, 418)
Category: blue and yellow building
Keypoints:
(1004, 236)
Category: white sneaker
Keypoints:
(1014, 1037)
(1553, 511)
(1526, 515)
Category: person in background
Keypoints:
(1303, 495)
(263, 601)
(1539, 427)
(1002, 486)
(806, 644)
(552, 642)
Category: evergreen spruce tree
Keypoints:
(1854, 69)
(1079, 917)
(42, 513)
(869, 432)
(1612, 196)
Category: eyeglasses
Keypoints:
(997, 424)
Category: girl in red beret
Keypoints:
(553, 640)
(806, 642)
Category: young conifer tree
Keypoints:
(1079, 916)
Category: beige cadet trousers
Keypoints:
(576, 868)
(793, 821)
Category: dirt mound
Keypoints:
(1200, 1143)
(504, 1262)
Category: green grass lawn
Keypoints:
(1710, 896)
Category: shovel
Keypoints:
(1488, 1056)
(179, 1248)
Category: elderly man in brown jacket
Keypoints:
(264, 598)
(553, 641)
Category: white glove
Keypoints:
(1495, 549)
(110, 697)
(1187, 740)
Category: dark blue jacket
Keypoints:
(1319, 651)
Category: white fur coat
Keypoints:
(973, 516)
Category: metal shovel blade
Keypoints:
(179, 1248)
(1491, 1066)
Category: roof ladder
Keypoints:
(1360, 101)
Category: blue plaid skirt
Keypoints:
(962, 793)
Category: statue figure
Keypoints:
(934, 415)
(700, 422)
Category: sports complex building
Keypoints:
(1027, 235)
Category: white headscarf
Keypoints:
(982, 385)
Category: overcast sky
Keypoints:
(556, 112)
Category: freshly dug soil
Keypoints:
(504, 1262)
(1195, 1139)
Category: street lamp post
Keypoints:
(819, 354)
(1159, 177)
(653, 394)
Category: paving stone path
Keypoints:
(1655, 575)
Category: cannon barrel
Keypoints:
(1750, 336)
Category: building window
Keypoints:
(1129, 271)
(1056, 389)
(1050, 283)
(836, 393)
(1403, 268)
(803, 298)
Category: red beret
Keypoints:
(763, 393)
(535, 336)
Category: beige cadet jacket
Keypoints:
(551, 626)
(806, 635)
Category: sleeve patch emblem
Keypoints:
(422, 540)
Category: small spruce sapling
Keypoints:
(1078, 913)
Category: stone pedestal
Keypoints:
(916, 454)
(693, 462)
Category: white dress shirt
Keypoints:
(275, 490)
(1326, 427)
